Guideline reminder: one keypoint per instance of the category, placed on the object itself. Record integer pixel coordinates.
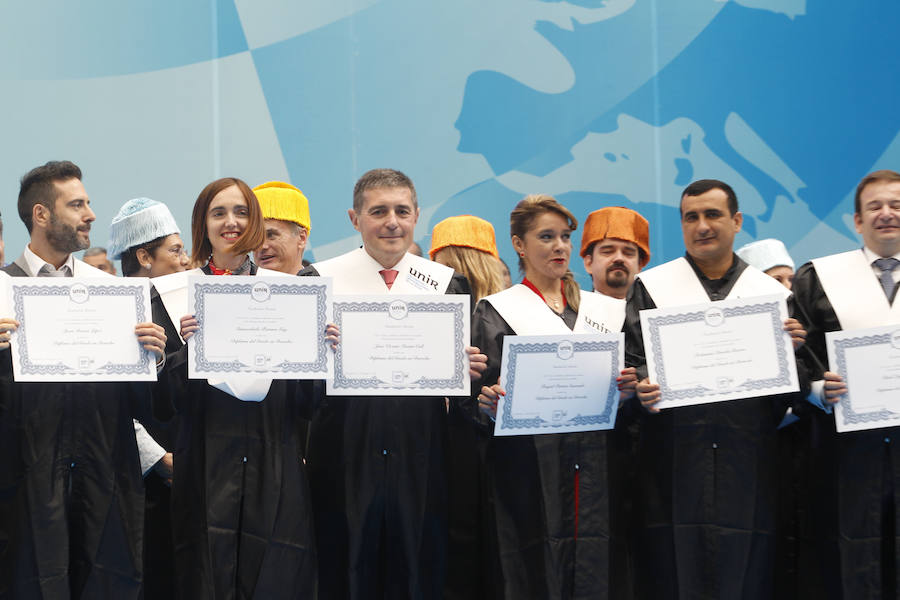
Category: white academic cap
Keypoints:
(766, 254)
(139, 221)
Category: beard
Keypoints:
(64, 238)
(616, 278)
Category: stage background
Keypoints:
(616, 102)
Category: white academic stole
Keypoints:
(676, 284)
(855, 292)
(527, 314)
(358, 273)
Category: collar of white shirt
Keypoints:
(871, 257)
(35, 262)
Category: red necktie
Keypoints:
(389, 276)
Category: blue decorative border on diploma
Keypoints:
(319, 290)
(460, 369)
(783, 378)
(509, 422)
(840, 348)
(28, 368)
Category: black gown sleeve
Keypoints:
(638, 299)
(814, 311)
(488, 331)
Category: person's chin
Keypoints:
(393, 244)
(617, 279)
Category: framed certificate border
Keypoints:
(457, 382)
(319, 290)
(847, 419)
(71, 288)
(714, 313)
(556, 348)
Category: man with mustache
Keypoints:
(615, 246)
(71, 497)
(855, 475)
(706, 475)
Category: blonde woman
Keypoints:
(468, 246)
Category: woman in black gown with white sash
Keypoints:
(553, 504)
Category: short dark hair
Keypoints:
(38, 187)
(882, 175)
(381, 178)
(130, 263)
(701, 186)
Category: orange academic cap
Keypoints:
(620, 223)
(465, 230)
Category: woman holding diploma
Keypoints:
(551, 493)
(241, 514)
(145, 237)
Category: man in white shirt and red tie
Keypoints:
(376, 464)
(852, 528)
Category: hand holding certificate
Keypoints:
(263, 326)
(721, 351)
(869, 362)
(559, 383)
(80, 329)
(402, 345)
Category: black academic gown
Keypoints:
(240, 498)
(543, 545)
(71, 497)
(707, 484)
(470, 569)
(159, 562)
(376, 468)
(849, 527)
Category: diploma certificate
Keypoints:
(80, 329)
(559, 383)
(869, 362)
(721, 351)
(401, 345)
(263, 326)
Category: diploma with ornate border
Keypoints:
(869, 362)
(80, 329)
(559, 383)
(260, 327)
(401, 345)
(720, 351)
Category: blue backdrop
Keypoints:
(480, 101)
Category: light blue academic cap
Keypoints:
(139, 221)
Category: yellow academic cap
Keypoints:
(280, 200)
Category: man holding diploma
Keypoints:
(707, 485)
(71, 497)
(376, 464)
(856, 474)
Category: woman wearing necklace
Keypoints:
(550, 493)
(241, 515)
